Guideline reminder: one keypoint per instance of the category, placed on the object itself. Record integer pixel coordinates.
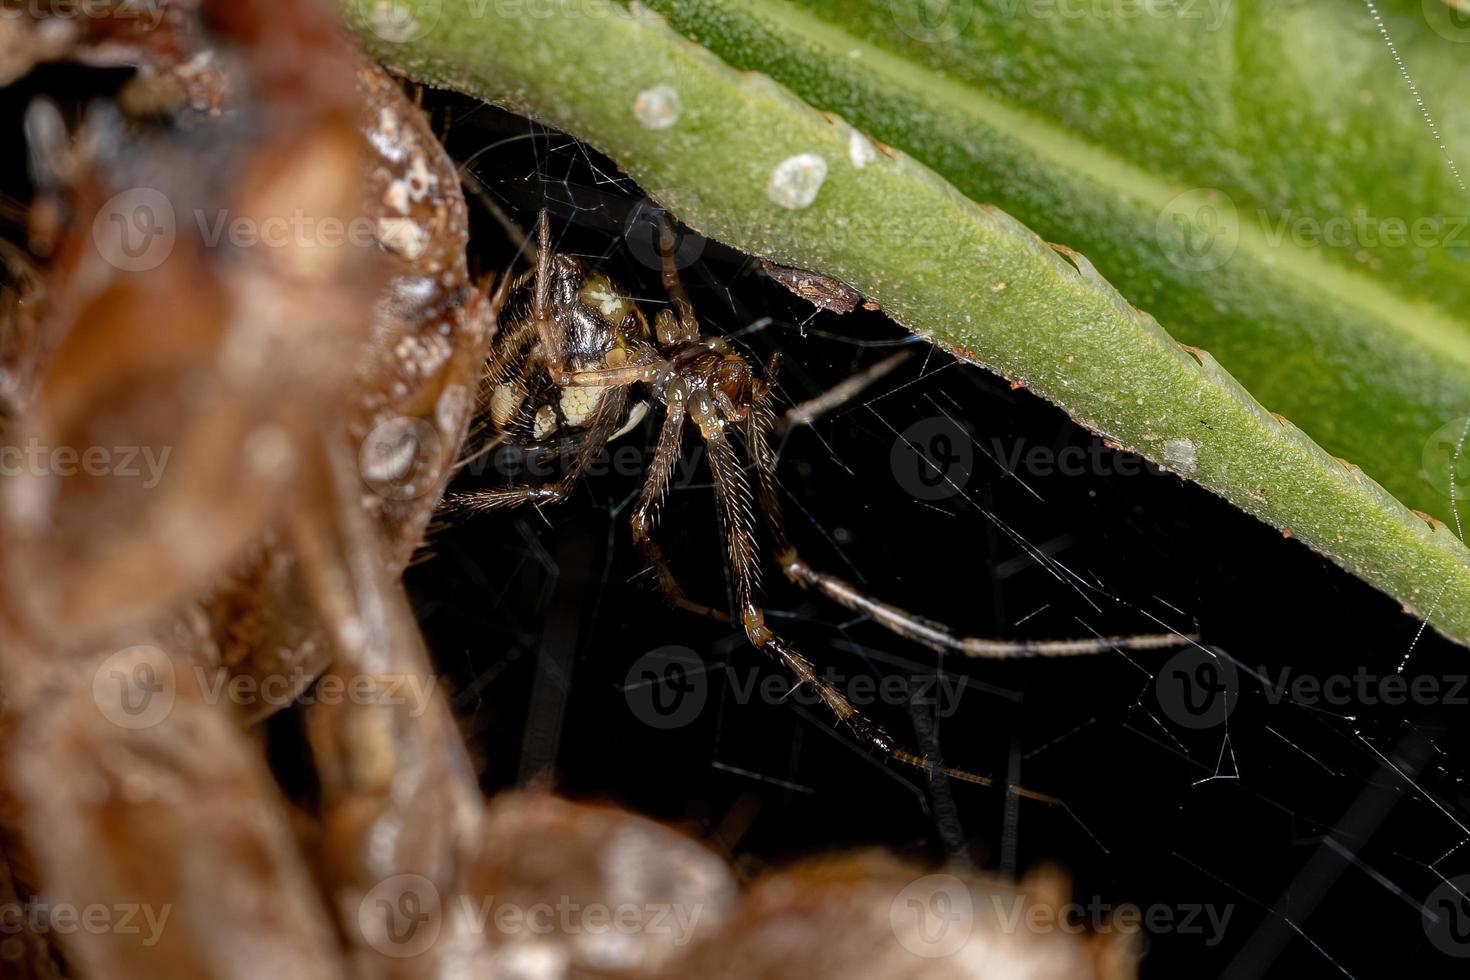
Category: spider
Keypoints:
(572, 348)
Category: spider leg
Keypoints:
(737, 515)
(632, 374)
(932, 634)
(510, 350)
(552, 347)
(674, 285)
(606, 418)
(733, 496)
(650, 503)
(813, 409)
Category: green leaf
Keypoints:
(735, 155)
(1321, 245)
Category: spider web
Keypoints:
(1324, 829)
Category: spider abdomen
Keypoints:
(593, 326)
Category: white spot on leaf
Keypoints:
(657, 107)
(796, 180)
(1181, 455)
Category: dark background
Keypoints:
(1323, 829)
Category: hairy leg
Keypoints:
(607, 417)
(650, 503)
(932, 634)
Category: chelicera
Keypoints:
(572, 351)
